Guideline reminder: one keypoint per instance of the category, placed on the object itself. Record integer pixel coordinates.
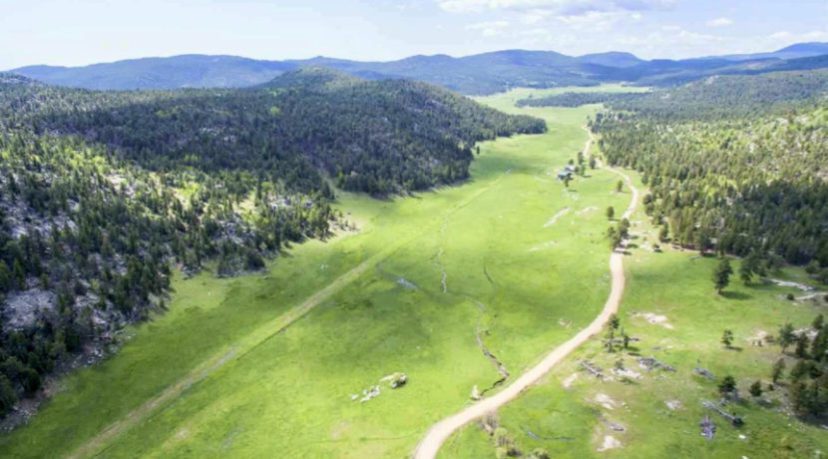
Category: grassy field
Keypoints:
(566, 415)
(411, 292)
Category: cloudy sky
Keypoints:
(63, 32)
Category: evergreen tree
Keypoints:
(756, 389)
(778, 370)
(721, 275)
(727, 386)
(7, 395)
(6, 280)
(19, 275)
(727, 338)
(786, 336)
(802, 346)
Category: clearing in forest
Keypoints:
(267, 365)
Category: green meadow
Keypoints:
(267, 365)
(671, 306)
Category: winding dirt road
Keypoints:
(440, 432)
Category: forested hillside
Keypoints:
(735, 164)
(377, 137)
(102, 194)
(717, 97)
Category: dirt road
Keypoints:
(440, 432)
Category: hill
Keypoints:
(797, 51)
(485, 73)
(186, 71)
(612, 59)
(102, 194)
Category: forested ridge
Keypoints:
(735, 164)
(103, 194)
(714, 98)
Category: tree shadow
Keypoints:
(739, 296)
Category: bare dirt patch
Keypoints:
(626, 373)
(673, 405)
(760, 338)
(609, 443)
(655, 319)
(606, 401)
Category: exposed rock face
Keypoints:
(22, 307)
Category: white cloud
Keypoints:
(568, 7)
(787, 38)
(535, 16)
(720, 22)
(490, 28)
(598, 20)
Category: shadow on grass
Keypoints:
(740, 296)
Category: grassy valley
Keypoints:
(411, 292)
(324, 266)
(423, 229)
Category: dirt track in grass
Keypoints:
(440, 432)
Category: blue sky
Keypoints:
(77, 32)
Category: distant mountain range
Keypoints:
(477, 74)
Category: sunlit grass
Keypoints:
(523, 283)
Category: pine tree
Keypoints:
(778, 370)
(664, 233)
(614, 321)
(756, 389)
(727, 386)
(727, 338)
(721, 276)
(786, 336)
(19, 274)
(818, 322)
(6, 281)
(801, 350)
(7, 395)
